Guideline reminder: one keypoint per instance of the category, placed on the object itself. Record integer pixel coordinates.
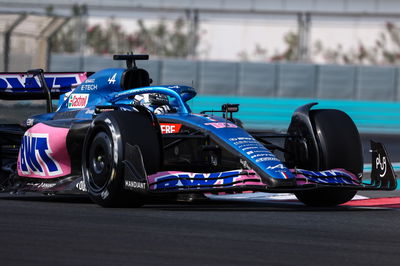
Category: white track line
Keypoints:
(263, 197)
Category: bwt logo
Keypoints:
(196, 179)
(18, 81)
(35, 156)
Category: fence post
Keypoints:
(49, 43)
(7, 40)
(193, 17)
(304, 23)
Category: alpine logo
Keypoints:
(167, 128)
(78, 100)
(35, 156)
(111, 80)
(278, 166)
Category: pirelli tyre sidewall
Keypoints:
(339, 146)
(103, 153)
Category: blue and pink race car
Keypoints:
(123, 141)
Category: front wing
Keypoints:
(382, 178)
(239, 180)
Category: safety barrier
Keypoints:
(270, 92)
(275, 113)
(286, 80)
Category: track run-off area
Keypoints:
(246, 229)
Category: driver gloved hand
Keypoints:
(163, 109)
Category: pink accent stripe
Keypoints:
(83, 76)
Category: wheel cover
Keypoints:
(100, 163)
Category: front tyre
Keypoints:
(339, 146)
(104, 153)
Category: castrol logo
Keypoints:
(78, 100)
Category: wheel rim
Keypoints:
(100, 161)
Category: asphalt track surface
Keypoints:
(39, 230)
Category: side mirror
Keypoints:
(230, 108)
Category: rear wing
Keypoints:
(22, 86)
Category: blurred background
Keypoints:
(270, 56)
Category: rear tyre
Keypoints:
(104, 152)
(339, 146)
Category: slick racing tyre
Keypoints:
(104, 153)
(339, 146)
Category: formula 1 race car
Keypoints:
(123, 141)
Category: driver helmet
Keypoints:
(152, 99)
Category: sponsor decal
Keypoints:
(221, 125)
(262, 154)
(326, 173)
(249, 148)
(381, 165)
(42, 185)
(245, 142)
(43, 152)
(265, 159)
(135, 184)
(187, 180)
(257, 153)
(36, 156)
(278, 166)
(112, 80)
(168, 128)
(195, 179)
(326, 177)
(89, 87)
(253, 145)
(241, 138)
(22, 81)
(89, 111)
(29, 122)
(253, 149)
(90, 81)
(81, 185)
(78, 100)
